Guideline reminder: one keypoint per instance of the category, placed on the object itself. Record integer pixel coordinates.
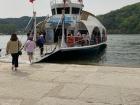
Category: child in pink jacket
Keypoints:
(29, 48)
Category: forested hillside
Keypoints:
(124, 20)
(10, 25)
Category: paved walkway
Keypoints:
(56, 84)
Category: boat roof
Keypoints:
(68, 3)
(52, 2)
(85, 15)
(91, 21)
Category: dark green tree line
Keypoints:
(125, 20)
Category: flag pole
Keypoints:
(34, 16)
(63, 26)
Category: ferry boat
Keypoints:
(71, 31)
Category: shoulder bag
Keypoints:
(19, 51)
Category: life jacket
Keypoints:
(70, 41)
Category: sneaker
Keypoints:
(16, 69)
(12, 68)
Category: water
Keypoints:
(122, 50)
(5, 38)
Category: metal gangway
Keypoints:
(48, 50)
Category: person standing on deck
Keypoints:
(28, 35)
(30, 47)
(44, 35)
(40, 43)
(13, 46)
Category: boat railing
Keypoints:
(77, 41)
(53, 2)
(50, 48)
(82, 42)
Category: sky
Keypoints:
(19, 8)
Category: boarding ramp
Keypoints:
(48, 50)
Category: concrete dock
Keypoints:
(65, 84)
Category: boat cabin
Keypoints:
(81, 28)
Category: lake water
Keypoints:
(122, 50)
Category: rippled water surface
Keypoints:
(123, 50)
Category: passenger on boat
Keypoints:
(30, 47)
(99, 39)
(78, 38)
(40, 43)
(96, 40)
(78, 33)
(70, 40)
(86, 39)
(44, 35)
(82, 41)
(28, 34)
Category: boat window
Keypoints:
(67, 10)
(53, 12)
(96, 36)
(75, 10)
(59, 10)
(83, 31)
(71, 32)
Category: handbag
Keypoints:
(19, 51)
